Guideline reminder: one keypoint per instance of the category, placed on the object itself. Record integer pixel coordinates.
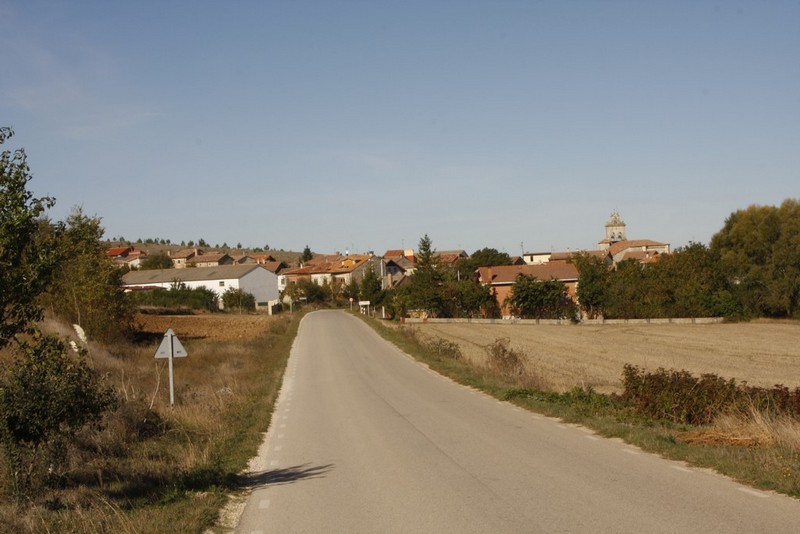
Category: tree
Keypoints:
(159, 260)
(593, 274)
(46, 394)
(238, 299)
(371, 287)
(28, 257)
(87, 289)
(485, 257)
(540, 299)
(424, 290)
(307, 254)
(759, 251)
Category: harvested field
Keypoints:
(760, 353)
(210, 326)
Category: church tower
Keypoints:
(615, 229)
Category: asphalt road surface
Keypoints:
(364, 439)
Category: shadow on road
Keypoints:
(283, 476)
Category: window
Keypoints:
(222, 283)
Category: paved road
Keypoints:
(366, 440)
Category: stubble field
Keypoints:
(760, 353)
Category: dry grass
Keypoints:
(761, 353)
(154, 467)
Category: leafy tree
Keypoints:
(467, 298)
(238, 299)
(485, 257)
(159, 260)
(593, 275)
(759, 251)
(351, 289)
(46, 396)
(28, 257)
(88, 289)
(623, 297)
(202, 243)
(540, 299)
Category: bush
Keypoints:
(239, 300)
(506, 361)
(45, 398)
(679, 397)
(179, 296)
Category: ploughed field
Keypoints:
(210, 326)
(760, 353)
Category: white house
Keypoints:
(253, 279)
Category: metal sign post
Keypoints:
(170, 348)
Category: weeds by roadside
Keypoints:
(153, 468)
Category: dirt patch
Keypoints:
(212, 326)
(763, 354)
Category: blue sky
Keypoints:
(365, 125)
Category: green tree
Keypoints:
(28, 256)
(239, 300)
(485, 257)
(159, 260)
(307, 254)
(424, 290)
(88, 289)
(467, 298)
(623, 297)
(759, 251)
(593, 275)
(351, 289)
(540, 299)
(371, 287)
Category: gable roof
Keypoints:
(273, 266)
(619, 246)
(209, 258)
(119, 251)
(195, 274)
(185, 253)
(507, 274)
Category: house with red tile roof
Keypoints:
(332, 269)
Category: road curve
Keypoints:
(364, 439)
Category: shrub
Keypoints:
(239, 300)
(177, 296)
(506, 361)
(679, 397)
(45, 398)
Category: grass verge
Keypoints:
(733, 448)
(154, 468)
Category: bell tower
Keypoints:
(615, 229)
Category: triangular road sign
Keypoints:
(177, 349)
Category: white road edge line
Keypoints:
(754, 493)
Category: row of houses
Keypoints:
(267, 279)
(131, 258)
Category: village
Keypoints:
(268, 279)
